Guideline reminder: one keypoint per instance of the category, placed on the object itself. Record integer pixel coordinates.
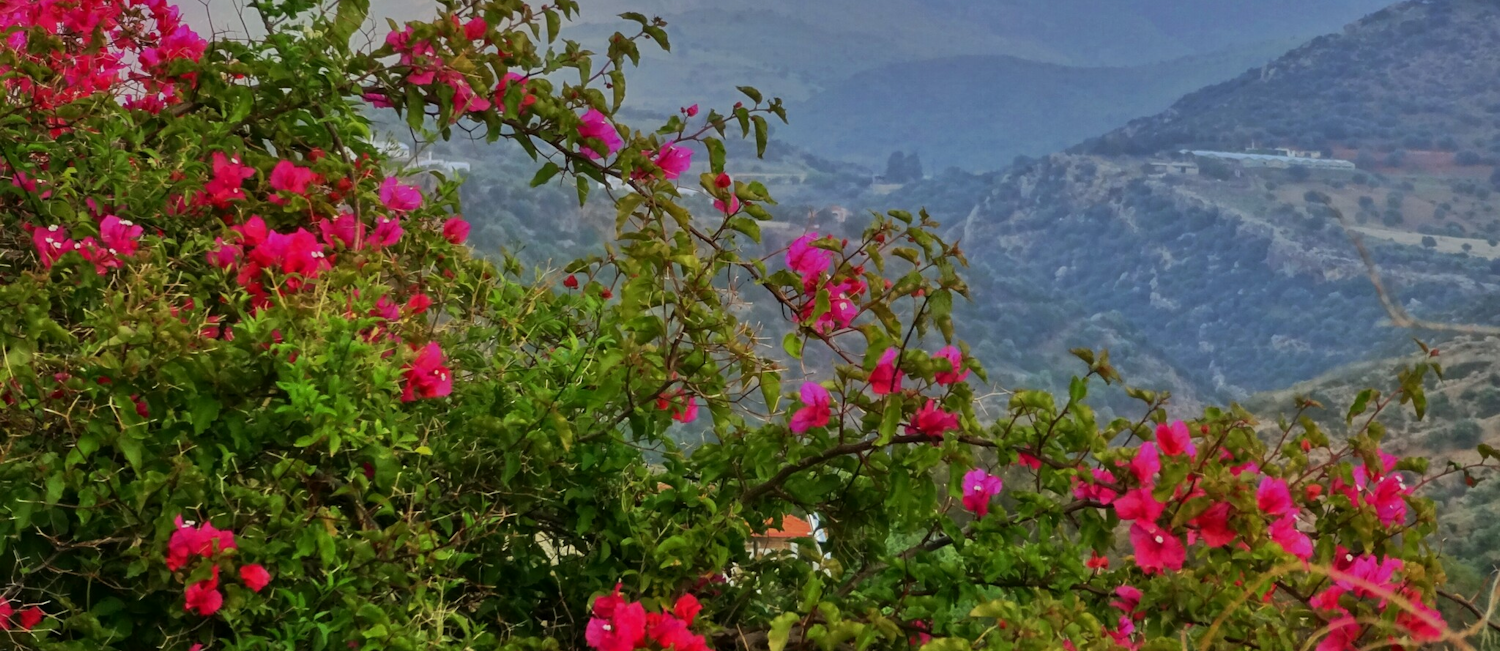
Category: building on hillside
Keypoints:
(447, 166)
(781, 539)
(1297, 153)
(1165, 167)
(1273, 160)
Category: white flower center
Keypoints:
(978, 487)
(112, 252)
(1160, 540)
(608, 628)
(52, 228)
(127, 222)
(1349, 558)
(56, 244)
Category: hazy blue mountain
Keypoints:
(980, 112)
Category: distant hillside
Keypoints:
(1415, 76)
(1238, 301)
(980, 112)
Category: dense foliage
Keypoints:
(257, 393)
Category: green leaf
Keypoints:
(545, 174)
(715, 154)
(747, 226)
(554, 25)
(205, 411)
(414, 108)
(583, 190)
(1361, 401)
(624, 208)
(131, 448)
(889, 420)
(781, 629)
(762, 134)
(792, 344)
(750, 92)
(617, 83)
(351, 15)
(770, 389)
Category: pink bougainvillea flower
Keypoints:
(1213, 525)
(886, 378)
(288, 177)
(1156, 549)
(387, 232)
(456, 230)
(956, 359)
(101, 257)
(1097, 562)
(728, 208)
(1123, 634)
(204, 597)
(475, 28)
(418, 303)
(31, 617)
(687, 412)
(1423, 622)
(1248, 467)
(1096, 491)
(1028, 460)
(1138, 504)
(201, 540)
(253, 232)
(398, 197)
(223, 255)
(255, 577)
(672, 159)
(841, 308)
(377, 100)
(596, 126)
(1328, 600)
(1365, 571)
(527, 98)
(1146, 463)
(980, 488)
(120, 236)
(1343, 632)
(1284, 532)
(806, 260)
(616, 624)
(1127, 598)
(426, 377)
(386, 309)
(687, 608)
(816, 410)
(668, 632)
(1273, 497)
(691, 111)
(225, 185)
(1175, 440)
(51, 243)
(345, 230)
(1389, 499)
(932, 422)
(6, 612)
(298, 253)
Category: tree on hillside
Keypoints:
(903, 168)
(259, 394)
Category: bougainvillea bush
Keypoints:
(258, 394)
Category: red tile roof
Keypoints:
(791, 527)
